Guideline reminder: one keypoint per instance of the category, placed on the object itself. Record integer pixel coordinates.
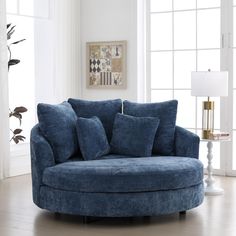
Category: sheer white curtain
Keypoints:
(57, 54)
(4, 121)
(66, 38)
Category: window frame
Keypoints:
(226, 63)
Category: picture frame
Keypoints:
(106, 64)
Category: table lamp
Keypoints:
(209, 84)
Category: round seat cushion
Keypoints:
(118, 174)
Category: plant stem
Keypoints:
(9, 50)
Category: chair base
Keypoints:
(182, 212)
(121, 204)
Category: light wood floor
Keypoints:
(20, 217)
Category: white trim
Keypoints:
(185, 50)
(29, 16)
(187, 89)
(226, 64)
(141, 50)
(148, 52)
(4, 101)
(184, 10)
(231, 68)
(173, 52)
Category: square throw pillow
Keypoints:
(133, 135)
(104, 110)
(92, 138)
(166, 112)
(58, 125)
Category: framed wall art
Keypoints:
(106, 64)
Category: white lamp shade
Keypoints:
(209, 83)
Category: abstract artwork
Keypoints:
(106, 64)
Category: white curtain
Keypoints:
(4, 121)
(57, 54)
(66, 38)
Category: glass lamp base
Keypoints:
(207, 118)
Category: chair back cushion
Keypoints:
(92, 138)
(166, 112)
(104, 110)
(58, 125)
(133, 136)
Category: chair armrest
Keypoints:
(186, 143)
(41, 158)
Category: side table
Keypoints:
(210, 188)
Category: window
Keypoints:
(22, 76)
(25, 14)
(184, 36)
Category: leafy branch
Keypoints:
(16, 137)
(10, 32)
(17, 112)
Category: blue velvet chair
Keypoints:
(113, 185)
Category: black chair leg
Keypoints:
(182, 212)
(85, 220)
(57, 215)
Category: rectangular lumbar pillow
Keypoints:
(92, 138)
(166, 112)
(58, 125)
(104, 110)
(133, 135)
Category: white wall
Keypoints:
(110, 20)
(61, 62)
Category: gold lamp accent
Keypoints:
(209, 84)
(207, 118)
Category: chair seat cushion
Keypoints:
(122, 174)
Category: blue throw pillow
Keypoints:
(58, 125)
(166, 112)
(92, 138)
(133, 135)
(104, 110)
